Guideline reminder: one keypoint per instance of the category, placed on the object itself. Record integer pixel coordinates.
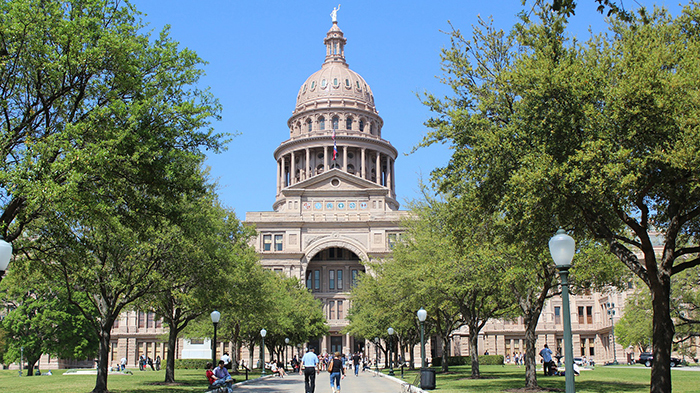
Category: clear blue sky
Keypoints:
(260, 52)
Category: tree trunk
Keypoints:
(101, 382)
(251, 348)
(412, 357)
(445, 352)
(474, 352)
(170, 363)
(530, 350)
(663, 331)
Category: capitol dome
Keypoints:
(335, 84)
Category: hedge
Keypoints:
(191, 364)
(466, 360)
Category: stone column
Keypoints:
(325, 159)
(279, 177)
(345, 158)
(363, 168)
(307, 164)
(293, 169)
(377, 168)
(388, 172)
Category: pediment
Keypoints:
(334, 181)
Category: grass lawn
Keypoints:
(627, 379)
(624, 379)
(141, 382)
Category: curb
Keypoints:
(414, 389)
(237, 384)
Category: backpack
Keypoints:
(330, 366)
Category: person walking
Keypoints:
(356, 362)
(335, 367)
(310, 364)
(546, 354)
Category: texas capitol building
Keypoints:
(335, 206)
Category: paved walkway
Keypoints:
(365, 382)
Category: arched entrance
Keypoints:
(330, 275)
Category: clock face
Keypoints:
(318, 206)
(307, 205)
(329, 205)
(341, 205)
(351, 205)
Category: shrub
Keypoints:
(190, 364)
(466, 360)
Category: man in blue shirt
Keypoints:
(223, 377)
(310, 366)
(546, 354)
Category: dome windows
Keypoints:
(335, 123)
(348, 123)
(322, 123)
(324, 83)
(362, 125)
(313, 85)
(335, 82)
(347, 83)
(358, 85)
(304, 90)
(308, 124)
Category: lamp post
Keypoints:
(263, 333)
(286, 347)
(391, 337)
(422, 315)
(562, 248)
(611, 312)
(215, 316)
(376, 354)
(5, 255)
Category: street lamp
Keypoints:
(376, 354)
(5, 255)
(391, 337)
(286, 347)
(215, 316)
(562, 248)
(422, 315)
(611, 312)
(263, 333)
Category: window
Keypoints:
(308, 280)
(159, 323)
(335, 82)
(323, 84)
(340, 279)
(317, 280)
(331, 310)
(278, 242)
(115, 325)
(589, 315)
(348, 123)
(340, 309)
(354, 277)
(347, 82)
(358, 84)
(308, 124)
(142, 319)
(322, 124)
(391, 239)
(591, 347)
(557, 315)
(335, 123)
(331, 280)
(149, 321)
(362, 125)
(313, 85)
(196, 341)
(267, 242)
(580, 315)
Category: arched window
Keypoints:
(321, 123)
(308, 124)
(362, 125)
(351, 169)
(371, 128)
(348, 123)
(335, 123)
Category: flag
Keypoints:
(335, 147)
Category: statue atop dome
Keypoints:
(334, 14)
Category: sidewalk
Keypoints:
(365, 382)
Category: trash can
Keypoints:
(427, 378)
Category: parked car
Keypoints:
(646, 358)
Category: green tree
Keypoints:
(78, 83)
(40, 320)
(212, 246)
(635, 326)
